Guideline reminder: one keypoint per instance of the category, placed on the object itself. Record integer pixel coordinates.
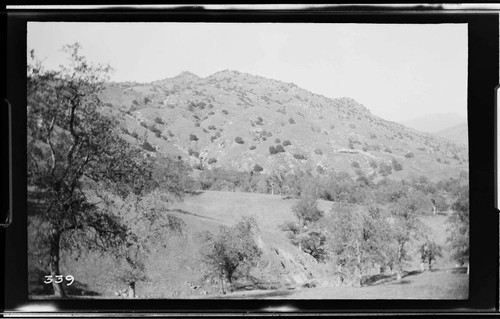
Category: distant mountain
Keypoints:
(457, 134)
(436, 122)
(237, 120)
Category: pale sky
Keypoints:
(399, 72)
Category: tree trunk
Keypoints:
(131, 289)
(54, 264)
(398, 275)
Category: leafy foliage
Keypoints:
(458, 231)
(230, 253)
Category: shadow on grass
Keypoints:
(459, 270)
(402, 282)
(195, 193)
(253, 283)
(386, 278)
(185, 212)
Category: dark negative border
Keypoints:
(482, 79)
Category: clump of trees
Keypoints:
(276, 149)
(458, 230)
(230, 253)
(303, 233)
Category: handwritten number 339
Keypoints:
(59, 279)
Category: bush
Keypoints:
(197, 124)
(277, 141)
(373, 163)
(306, 211)
(135, 134)
(230, 253)
(148, 147)
(409, 155)
(239, 140)
(212, 127)
(257, 168)
(355, 164)
(193, 137)
(225, 112)
(143, 124)
(212, 160)
(191, 152)
(387, 149)
(373, 136)
(291, 120)
(318, 151)
(259, 121)
(252, 147)
(299, 156)
(385, 169)
(287, 142)
(396, 165)
(159, 120)
(276, 149)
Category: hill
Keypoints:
(457, 134)
(231, 119)
(433, 123)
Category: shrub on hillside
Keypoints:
(286, 143)
(193, 137)
(143, 124)
(318, 151)
(409, 155)
(277, 141)
(212, 160)
(355, 164)
(387, 149)
(238, 140)
(299, 156)
(148, 147)
(192, 152)
(257, 168)
(159, 120)
(212, 127)
(385, 169)
(225, 112)
(291, 120)
(252, 147)
(396, 165)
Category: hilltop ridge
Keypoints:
(233, 120)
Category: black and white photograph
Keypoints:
(203, 160)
